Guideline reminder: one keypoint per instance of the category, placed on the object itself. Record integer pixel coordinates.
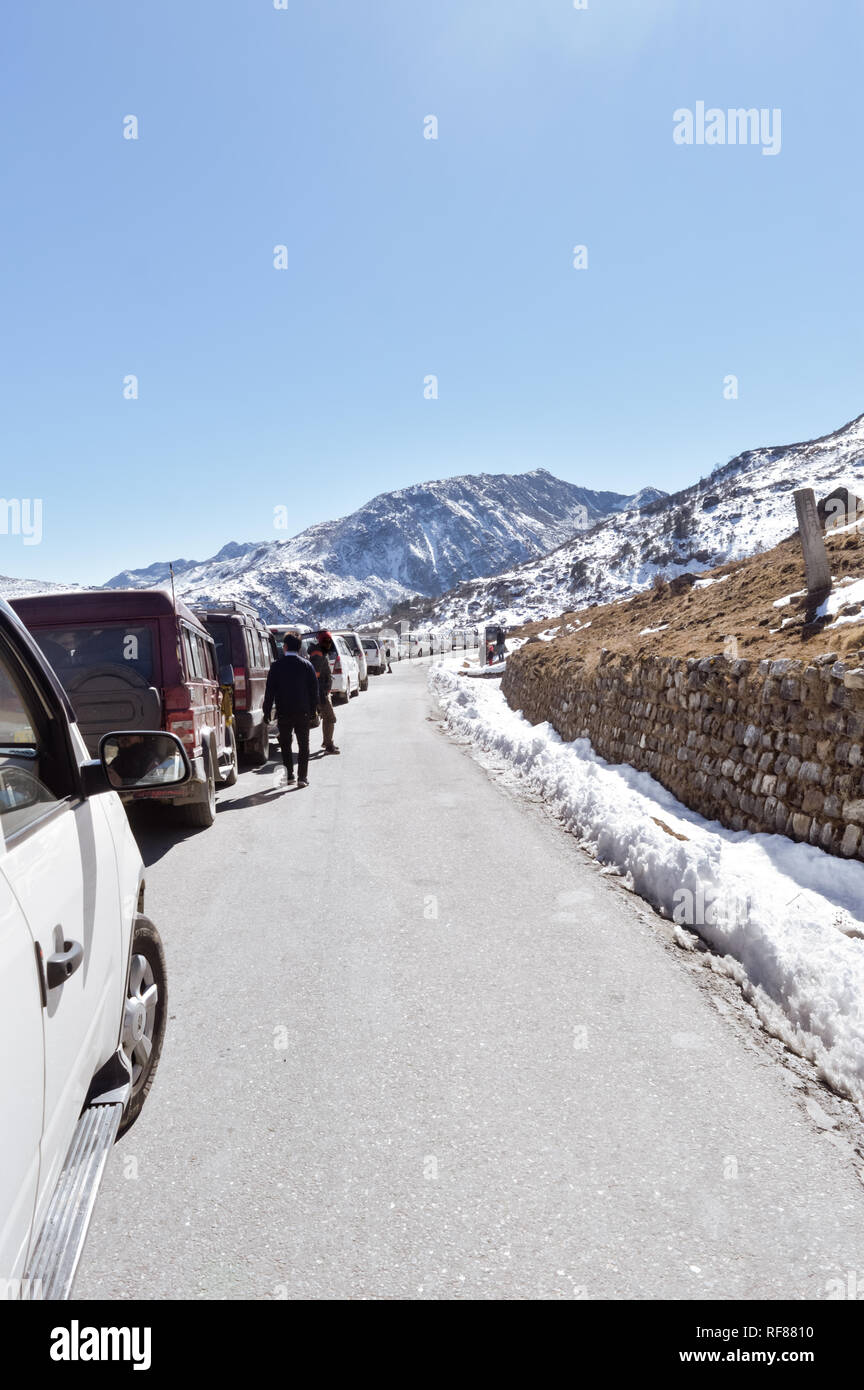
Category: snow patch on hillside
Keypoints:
(25, 588)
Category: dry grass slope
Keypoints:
(697, 622)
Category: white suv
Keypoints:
(343, 665)
(82, 971)
(355, 646)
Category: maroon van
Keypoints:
(245, 643)
(135, 659)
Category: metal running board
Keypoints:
(54, 1261)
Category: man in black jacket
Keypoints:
(293, 686)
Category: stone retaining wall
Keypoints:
(757, 745)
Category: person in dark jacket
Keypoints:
(319, 655)
(292, 686)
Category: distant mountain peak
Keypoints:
(743, 506)
(418, 540)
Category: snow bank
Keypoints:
(851, 592)
(786, 920)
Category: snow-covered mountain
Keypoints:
(159, 573)
(743, 507)
(23, 588)
(417, 542)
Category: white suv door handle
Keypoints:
(64, 963)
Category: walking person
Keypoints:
(387, 657)
(292, 686)
(319, 655)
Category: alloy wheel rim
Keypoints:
(139, 1016)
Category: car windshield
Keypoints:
(73, 649)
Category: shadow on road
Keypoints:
(242, 803)
(268, 768)
(155, 830)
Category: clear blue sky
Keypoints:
(304, 387)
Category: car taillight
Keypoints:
(337, 666)
(240, 687)
(184, 728)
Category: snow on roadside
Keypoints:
(785, 920)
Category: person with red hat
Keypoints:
(319, 655)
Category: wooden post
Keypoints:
(816, 565)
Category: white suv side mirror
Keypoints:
(133, 758)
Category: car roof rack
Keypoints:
(231, 605)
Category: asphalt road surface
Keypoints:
(419, 1047)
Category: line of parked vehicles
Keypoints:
(107, 696)
(142, 659)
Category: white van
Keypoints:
(376, 661)
(83, 997)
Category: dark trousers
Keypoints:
(295, 724)
(328, 721)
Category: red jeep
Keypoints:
(135, 659)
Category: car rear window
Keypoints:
(369, 645)
(86, 647)
(310, 643)
(220, 631)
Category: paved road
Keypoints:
(419, 1048)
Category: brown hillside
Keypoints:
(698, 621)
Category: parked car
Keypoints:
(246, 644)
(83, 1000)
(355, 646)
(135, 659)
(343, 665)
(277, 633)
(374, 652)
(420, 644)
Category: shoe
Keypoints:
(302, 781)
(289, 779)
(330, 748)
